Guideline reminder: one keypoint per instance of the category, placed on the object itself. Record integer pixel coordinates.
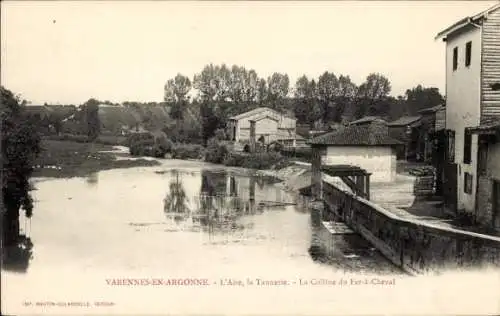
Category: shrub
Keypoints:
(187, 151)
(216, 151)
(264, 160)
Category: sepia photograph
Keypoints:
(250, 157)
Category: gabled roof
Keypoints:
(263, 116)
(432, 109)
(368, 119)
(466, 21)
(405, 120)
(356, 135)
(257, 111)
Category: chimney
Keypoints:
(252, 136)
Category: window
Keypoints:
(468, 52)
(451, 146)
(455, 58)
(482, 159)
(467, 146)
(467, 183)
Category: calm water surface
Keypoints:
(183, 219)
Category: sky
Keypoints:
(65, 52)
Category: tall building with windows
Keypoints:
(472, 159)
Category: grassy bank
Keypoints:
(73, 159)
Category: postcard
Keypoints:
(250, 157)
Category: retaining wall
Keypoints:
(417, 247)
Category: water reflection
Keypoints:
(176, 201)
(223, 199)
(92, 179)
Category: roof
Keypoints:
(255, 112)
(432, 109)
(491, 125)
(263, 116)
(356, 135)
(466, 21)
(368, 119)
(343, 170)
(405, 120)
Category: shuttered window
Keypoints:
(455, 58)
(451, 146)
(467, 183)
(467, 146)
(468, 52)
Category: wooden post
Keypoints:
(316, 181)
(252, 189)
(252, 136)
(367, 186)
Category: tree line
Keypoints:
(219, 91)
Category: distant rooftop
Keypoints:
(432, 109)
(356, 135)
(368, 119)
(405, 120)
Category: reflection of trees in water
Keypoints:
(176, 200)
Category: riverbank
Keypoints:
(62, 159)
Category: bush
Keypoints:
(264, 160)
(216, 151)
(187, 151)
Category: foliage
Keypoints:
(20, 147)
(419, 98)
(102, 139)
(154, 144)
(184, 131)
(91, 116)
(262, 160)
(188, 151)
(69, 159)
(216, 151)
(176, 200)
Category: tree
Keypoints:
(262, 91)
(307, 108)
(328, 93)
(91, 116)
(206, 82)
(175, 93)
(278, 85)
(20, 147)
(374, 90)
(419, 98)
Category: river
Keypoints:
(179, 220)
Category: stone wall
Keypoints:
(415, 246)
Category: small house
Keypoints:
(368, 147)
(407, 129)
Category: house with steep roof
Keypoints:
(472, 159)
(367, 146)
(270, 126)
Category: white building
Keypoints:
(270, 125)
(368, 147)
(472, 110)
